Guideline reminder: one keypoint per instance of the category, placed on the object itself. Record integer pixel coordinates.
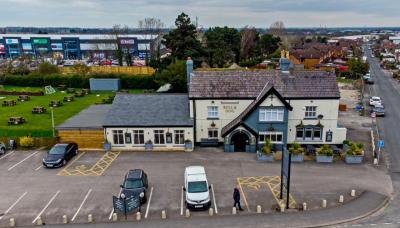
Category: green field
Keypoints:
(39, 125)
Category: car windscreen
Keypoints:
(133, 183)
(197, 186)
(57, 150)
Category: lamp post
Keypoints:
(123, 197)
(52, 121)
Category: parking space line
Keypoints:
(148, 203)
(80, 206)
(112, 211)
(182, 200)
(47, 205)
(244, 196)
(8, 154)
(38, 167)
(215, 201)
(13, 205)
(15, 165)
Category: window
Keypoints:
(128, 138)
(159, 137)
(138, 137)
(309, 133)
(274, 137)
(213, 133)
(179, 136)
(311, 112)
(271, 114)
(299, 133)
(118, 137)
(317, 133)
(212, 111)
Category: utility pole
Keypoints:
(52, 121)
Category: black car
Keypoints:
(370, 81)
(60, 154)
(136, 183)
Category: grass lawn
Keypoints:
(344, 80)
(39, 125)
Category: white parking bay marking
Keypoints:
(8, 154)
(215, 201)
(182, 200)
(148, 203)
(12, 167)
(80, 207)
(112, 211)
(47, 205)
(38, 167)
(13, 205)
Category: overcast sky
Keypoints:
(235, 13)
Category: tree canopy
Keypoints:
(223, 46)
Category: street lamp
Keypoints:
(52, 121)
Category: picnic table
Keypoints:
(9, 103)
(38, 110)
(310, 149)
(108, 100)
(86, 91)
(62, 86)
(16, 120)
(69, 98)
(55, 103)
(23, 98)
(80, 94)
(335, 149)
(70, 90)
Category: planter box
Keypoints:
(324, 159)
(354, 159)
(107, 146)
(188, 145)
(148, 146)
(297, 158)
(263, 157)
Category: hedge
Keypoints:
(79, 81)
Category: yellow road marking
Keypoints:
(96, 170)
(244, 196)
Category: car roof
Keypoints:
(134, 174)
(374, 97)
(195, 173)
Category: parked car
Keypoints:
(2, 148)
(60, 154)
(379, 110)
(369, 81)
(367, 76)
(196, 188)
(105, 63)
(115, 63)
(136, 183)
(375, 101)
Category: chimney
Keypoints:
(189, 69)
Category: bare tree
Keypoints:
(151, 27)
(248, 41)
(277, 28)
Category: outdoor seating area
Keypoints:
(8, 103)
(69, 98)
(108, 100)
(70, 90)
(80, 93)
(55, 103)
(38, 110)
(23, 98)
(16, 120)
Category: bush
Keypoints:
(48, 68)
(295, 148)
(267, 147)
(26, 142)
(355, 149)
(325, 150)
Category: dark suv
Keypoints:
(135, 183)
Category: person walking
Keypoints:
(236, 198)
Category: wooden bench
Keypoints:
(208, 142)
(55, 103)
(80, 94)
(38, 110)
(69, 98)
(16, 120)
(9, 103)
(23, 98)
(70, 90)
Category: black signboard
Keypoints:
(119, 205)
(132, 202)
(169, 137)
(285, 175)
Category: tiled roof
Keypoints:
(147, 110)
(248, 84)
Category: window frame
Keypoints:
(137, 133)
(213, 110)
(310, 114)
(267, 114)
(213, 135)
(120, 137)
(265, 135)
(161, 134)
(181, 137)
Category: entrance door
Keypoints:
(240, 140)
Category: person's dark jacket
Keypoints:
(236, 195)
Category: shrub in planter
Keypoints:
(296, 152)
(107, 146)
(26, 142)
(324, 154)
(354, 153)
(188, 144)
(266, 152)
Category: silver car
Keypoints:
(2, 148)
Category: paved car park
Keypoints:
(86, 185)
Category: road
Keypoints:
(389, 90)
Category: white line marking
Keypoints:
(13, 205)
(388, 223)
(357, 225)
(148, 203)
(38, 167)
(12, 167)
(8, 154)
(215, 201)
(112, 211)
(372, 224)
(80, 207)
(182, 200)
(45, 207)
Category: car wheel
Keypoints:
(64, 162)
(76, 152)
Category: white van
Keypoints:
(196, 188)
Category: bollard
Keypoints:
(90, 218)
(259, 209)
(163, 214)
(12, 222)
(324, 203)
(138, 216)
(187, 213)
(304, 206)
(39, 221)
(64, 219)
(282, 207)
(341, 199)
(115, 217)
(234, 210)
(353, 192)
(375, 161)
(211, 211)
